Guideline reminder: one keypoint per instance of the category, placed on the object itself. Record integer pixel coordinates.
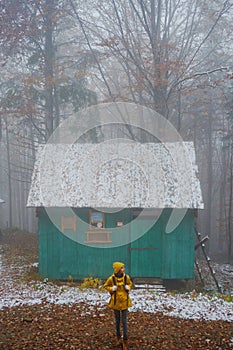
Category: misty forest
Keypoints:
(173, 56)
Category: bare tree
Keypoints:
(155, 46)
(172, 56)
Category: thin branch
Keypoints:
(90, 46)
(220, 69)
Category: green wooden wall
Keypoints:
(155, 254)
(178, 248)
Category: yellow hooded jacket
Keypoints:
(120, 300)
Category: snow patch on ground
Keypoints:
(186, 306)
(14, 292)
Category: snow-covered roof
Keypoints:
(116, 175)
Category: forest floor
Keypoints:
(40, 314)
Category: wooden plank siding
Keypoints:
(178, 249)
(155, 254)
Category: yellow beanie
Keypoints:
(117, 266)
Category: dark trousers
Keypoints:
(121, 316)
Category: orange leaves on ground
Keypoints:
(70, 327)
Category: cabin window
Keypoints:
(68, 223)
(97, 233)
(96, 219)
(119, 223)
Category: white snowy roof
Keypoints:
(116, 175)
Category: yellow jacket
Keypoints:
(120, 299)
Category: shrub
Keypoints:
(91, 282)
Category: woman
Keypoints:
(119, 284)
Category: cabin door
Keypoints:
(145, 254)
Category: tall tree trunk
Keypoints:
(230, 258)
(0, 128)
(56, 108)
(49, 62)
(209, 168)
(222, 202)
(159, 52)
(9, 174)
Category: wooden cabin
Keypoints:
(130, 202)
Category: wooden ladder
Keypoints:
(201, 243)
